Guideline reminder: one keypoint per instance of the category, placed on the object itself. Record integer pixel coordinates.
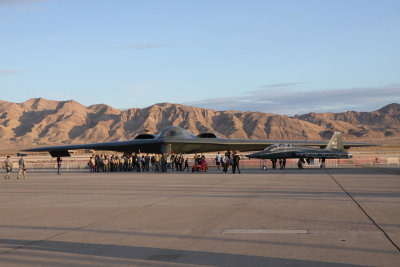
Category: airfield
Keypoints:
(311, 217)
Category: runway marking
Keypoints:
(366, 214)
(265, 231)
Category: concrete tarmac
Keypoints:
(311, 217)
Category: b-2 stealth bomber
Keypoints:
(177, 140)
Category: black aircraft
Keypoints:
(334, 150)
(177, 140)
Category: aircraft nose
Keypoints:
(350, 155)
(253, 155)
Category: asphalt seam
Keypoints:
(366, 214)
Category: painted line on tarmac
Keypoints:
(366, 214)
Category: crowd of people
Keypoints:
(228, 160)
(138, 162)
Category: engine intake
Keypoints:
(207, 135)
(145, 136)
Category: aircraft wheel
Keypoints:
(300, 164)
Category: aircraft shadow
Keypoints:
(147, 254)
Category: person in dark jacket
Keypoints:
(235, 163)
(59, 161)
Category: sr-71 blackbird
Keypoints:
(177, 140)
(334, 150)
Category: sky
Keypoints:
(283, 57)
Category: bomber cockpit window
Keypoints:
(176, 132)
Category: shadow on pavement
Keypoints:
(160, 255)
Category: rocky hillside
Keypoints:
(382, 123)
(39, 121)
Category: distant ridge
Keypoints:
(39, 121)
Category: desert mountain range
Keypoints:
(45, 122)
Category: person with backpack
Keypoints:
(22, 167)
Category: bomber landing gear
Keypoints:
(300, 163)
(322, 163)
